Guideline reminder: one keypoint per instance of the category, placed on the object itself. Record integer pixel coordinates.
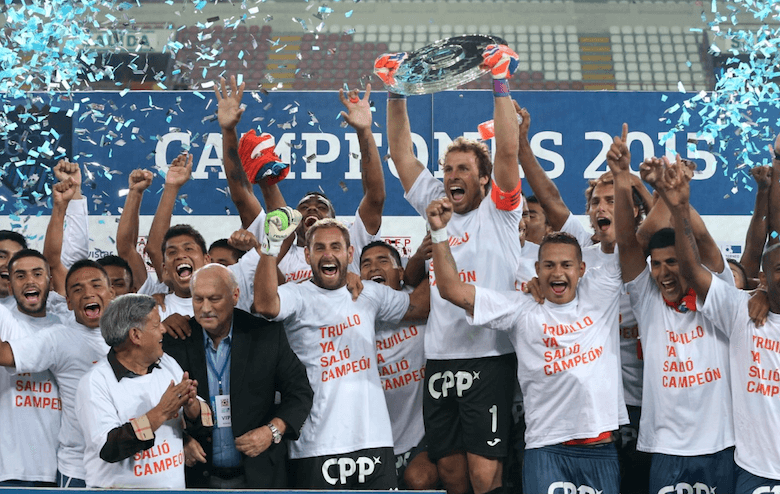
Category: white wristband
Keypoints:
(271, 247)
(438, 236)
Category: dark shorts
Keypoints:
(703, 474)
(467, 405)
(747, 483)
(402, 461)
(365, 469)
(571, 469)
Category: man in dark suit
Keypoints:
(242, 362)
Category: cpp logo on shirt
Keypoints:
(685, 488)
(347, 467)
(569, 488)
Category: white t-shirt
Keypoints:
(401, 358)
(31, 409)
(334, 338)
(152, 285)
(68, 352)
(631, 363)
(567, 356)
(75, 233)
(686, 402)
(103, 404)
(485, 247)
(530, 250)
(175, 304)
(754, 359)
(295, 268)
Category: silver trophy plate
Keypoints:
(444, 64)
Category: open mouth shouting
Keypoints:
(329, 269)
(603, 223)
(457, 193)
(92, 310)
(184, 271)
(378, 278)
(669, 288)
(310, 220)
(32, 296)
(5, 275)
(558, 287)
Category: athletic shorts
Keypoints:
(703, 474)
(747, 483)
(467, 405)
(562, 469)
(402, 461)
(365, 469)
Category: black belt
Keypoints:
(227, 473)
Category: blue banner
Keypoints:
(112, 133)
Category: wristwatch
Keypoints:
(275, 433)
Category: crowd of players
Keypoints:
(625, 359)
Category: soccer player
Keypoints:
(686, 403)
(753, 350)
(567, 351)
(29, 403)
(68, 352)
(468, 431)
(347, 442)
(401, 359)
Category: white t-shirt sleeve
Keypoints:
(290, 301)
(245, 270)
(726, 306)
(153, 286)
(37, 352)
(499, 310)
(605, 279)
(95, 409)
(359, 238)
(257, 228)
(391, 304)
(640, 290)
(572, 226)
(424, 190)
(726, 274)
(75, 239)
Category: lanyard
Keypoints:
(224, 365)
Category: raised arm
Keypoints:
(178, 175)
(229, 111)
(127, 231)
(632, 258)
(358, 115)
(674, 189)
(75, 241)
(756, 234)
(451, 288)
(544, 189)
(279, 225)
(399, 140)
(505, 167)
(653, 170)
(62, 193)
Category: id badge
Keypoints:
(221, 406)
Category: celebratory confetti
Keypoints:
(745, 90)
